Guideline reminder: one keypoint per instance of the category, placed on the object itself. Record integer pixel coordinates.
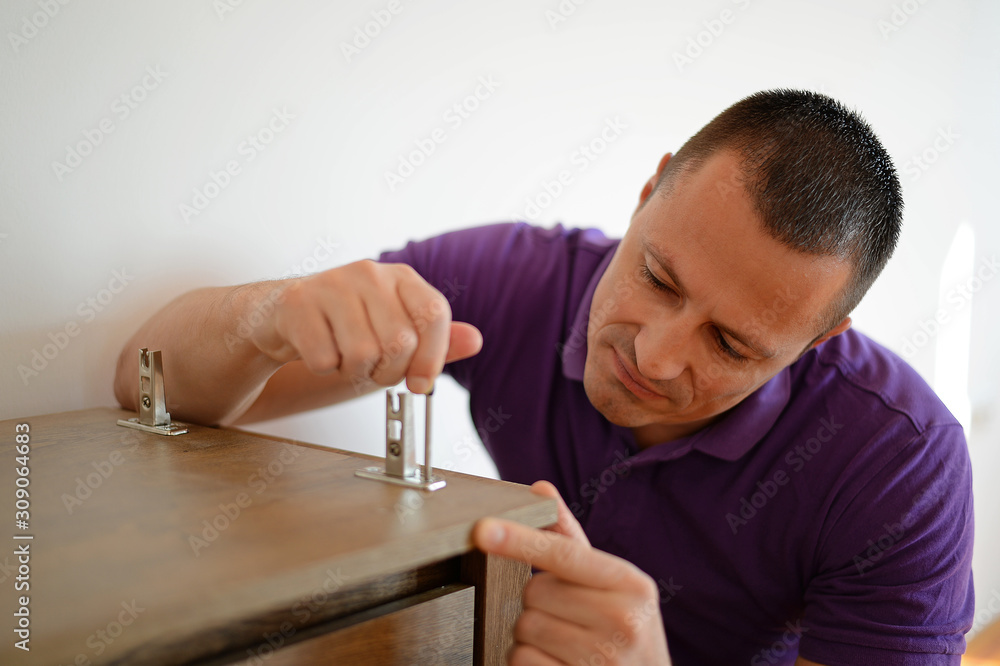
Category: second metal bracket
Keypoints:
(400, 447)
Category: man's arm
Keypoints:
(268, 349)
(207, 380)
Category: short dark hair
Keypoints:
(816, 174)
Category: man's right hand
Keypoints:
(269, 349)
(372, 322)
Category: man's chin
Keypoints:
(621, 410)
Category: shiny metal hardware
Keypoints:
(153, 415)
(400, 447)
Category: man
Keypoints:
(745, 479)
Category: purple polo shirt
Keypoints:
(829, 514)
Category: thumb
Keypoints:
(566, 523)
(466, 341)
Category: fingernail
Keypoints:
(419, 384)
(492, 533)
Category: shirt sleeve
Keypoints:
(893, 581)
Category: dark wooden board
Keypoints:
(308, 529)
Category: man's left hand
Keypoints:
(585, 606)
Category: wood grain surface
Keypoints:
(498, 608)
(434, 627)
(139, 554)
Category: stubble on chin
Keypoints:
(609, 397)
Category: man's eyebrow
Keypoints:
(667, 266)
(664, 263)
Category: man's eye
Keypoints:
(727, 349)
(648, 276)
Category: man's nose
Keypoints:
(660, 350)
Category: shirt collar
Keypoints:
(728, 438)
(574, 350)
(738, 430)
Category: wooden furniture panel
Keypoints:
(499, 607)
(430, 628)
(216, 538)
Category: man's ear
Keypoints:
(836, 330)
(647, 189)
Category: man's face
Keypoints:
(699, 306)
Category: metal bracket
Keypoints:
(153, 415)
(400, 447)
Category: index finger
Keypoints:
(566, 522)
(565, 557)
(431, 315)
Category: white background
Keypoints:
(926, 75)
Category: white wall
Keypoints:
(925, 74)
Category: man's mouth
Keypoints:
(629, 377)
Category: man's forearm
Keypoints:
(213, 372)
(268, 349)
